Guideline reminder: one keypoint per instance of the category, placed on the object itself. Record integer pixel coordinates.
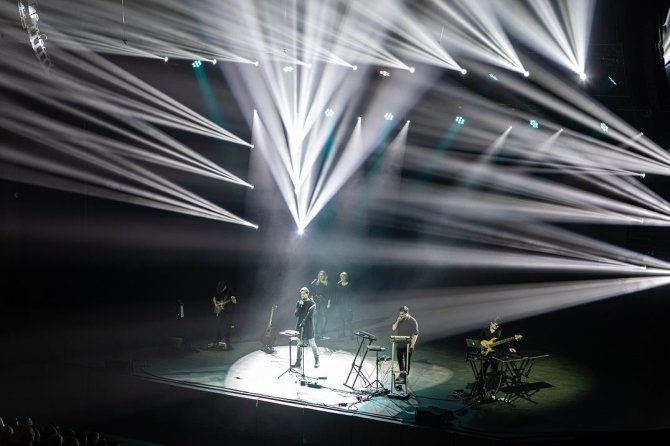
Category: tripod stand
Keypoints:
(376, 387)
(292, 336)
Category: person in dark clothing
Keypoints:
(224, 308)
(342, 306)
(493, 333)
(405, 325)
(321, 291)
(304, 311)
(487, 335)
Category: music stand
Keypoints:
(291, 335)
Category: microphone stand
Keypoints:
(302, 353)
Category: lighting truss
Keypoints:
(29, 18)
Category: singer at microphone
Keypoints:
(304, 311)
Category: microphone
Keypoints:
(313, 282)
(339, 282)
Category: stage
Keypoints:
(130, 382)
(438, 387)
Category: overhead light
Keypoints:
(582, 76)
(287, 69)
(196, 64)
(526, 73)
(464, 71)
(493, 76)
(460, 120)
(165, 59)
(354, 67)
(256, 63)
(329, 112)
(389, 116)
(213, 61)
(411, 69)
(534, 124)
(384, 73)
(604, 127)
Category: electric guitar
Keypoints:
(269, 336)
(219, 304)
(487, 346)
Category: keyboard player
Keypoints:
(405, 325)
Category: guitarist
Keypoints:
(489, 334)
(224, 308)
(492, 331)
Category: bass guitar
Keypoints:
(219, 304)
(487, 346)
(268, 337)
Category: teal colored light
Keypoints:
(604, 127)
(460, 120)
(534, 124)
(612, 81)
(196, 64)
(208, 95)
(493, 76)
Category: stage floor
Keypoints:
(440, 377)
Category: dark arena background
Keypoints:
(471, 160)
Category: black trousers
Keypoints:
(224, 328)
(402, 353)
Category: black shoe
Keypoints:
(296, 365)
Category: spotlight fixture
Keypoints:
(604, 127)
(526, 73)
(582, 76)
(354, 67)
(493, 76)
(464, 71)
(329, 112)
(213, 61)
(384, 73)
(460, 120)
(287, 69)
(196, 64)
(612, 81)
(165, 59)
(256, 63)
(388, 116)
(411, 69)
(534, 124)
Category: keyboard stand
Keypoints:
(357, 366)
